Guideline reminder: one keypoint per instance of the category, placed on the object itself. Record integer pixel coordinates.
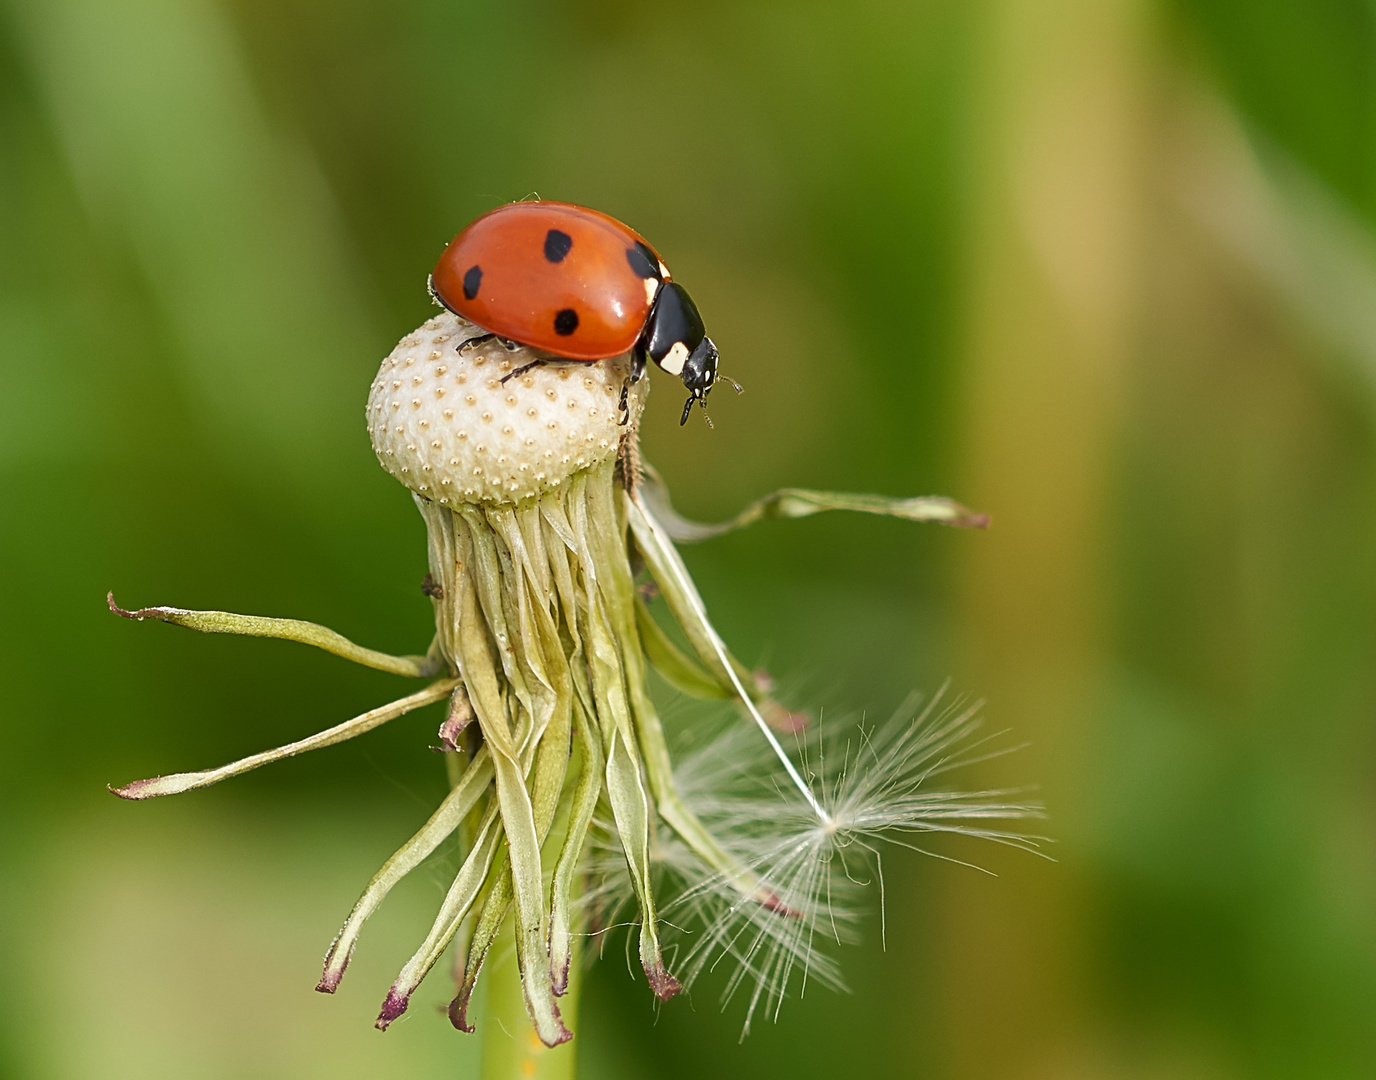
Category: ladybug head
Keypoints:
(676, 340)
(699, 375)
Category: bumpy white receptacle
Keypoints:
(444, 424)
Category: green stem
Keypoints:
(511, 1050)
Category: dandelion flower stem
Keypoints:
(675, 566)
(511, 1048)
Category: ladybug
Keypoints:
(579, 285)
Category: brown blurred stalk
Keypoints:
(1051, 285)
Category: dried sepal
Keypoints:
(517, 812)
(307, 633)
(617, 672)
(456, 721)
(176, 783)
(678, 669)
(563, 885)
(498, 619)
(631, 812)
(462, 798)
(496, 906)
(680, 594)
(801, 502)
(458, 901)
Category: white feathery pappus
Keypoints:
(877, 785)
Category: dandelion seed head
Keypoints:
(439, 423)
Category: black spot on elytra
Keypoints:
(472, 278)
(565, 322)
(557, 245)
(642, 261)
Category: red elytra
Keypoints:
(553, 276)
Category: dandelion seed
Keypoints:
(877, 787)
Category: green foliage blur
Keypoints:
(1102, 268)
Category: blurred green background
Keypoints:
(1102, 268)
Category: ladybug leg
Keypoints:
(477, 342)
(520, 370)
(638, 362)
(483, 339)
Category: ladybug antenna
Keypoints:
(734, 384)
